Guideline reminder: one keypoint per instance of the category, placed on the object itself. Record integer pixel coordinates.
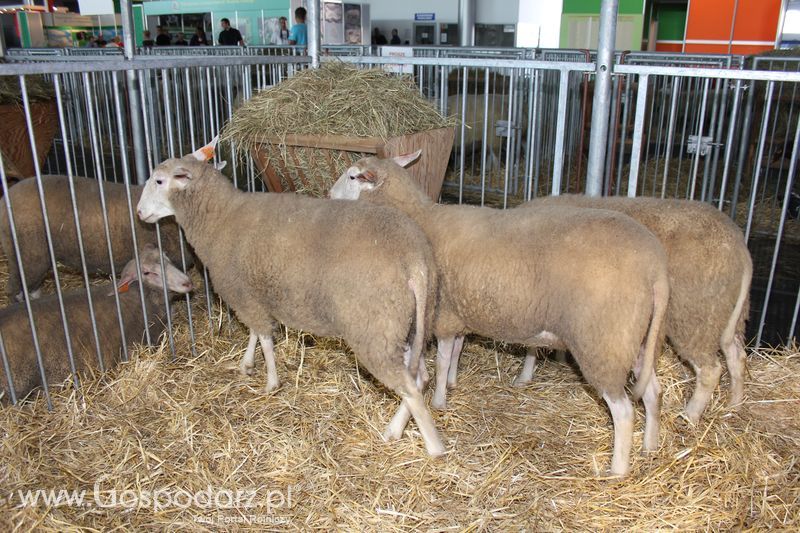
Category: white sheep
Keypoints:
(359, 272)
(592, 281)
(17, 333)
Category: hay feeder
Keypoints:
(17, 153)
(334, 153)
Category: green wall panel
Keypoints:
(626, 7)
(671, 22)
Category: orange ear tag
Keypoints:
(124, 287)
(208, 151)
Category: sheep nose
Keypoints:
(139, 212)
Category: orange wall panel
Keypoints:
(748, 49)
(757, 20)
(669, 47)
(710, 19)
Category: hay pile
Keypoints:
(39, 90)
(335, 99)
(528, 458)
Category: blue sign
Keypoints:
(426, 17)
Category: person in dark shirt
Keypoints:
(180, 40)
(199, 37)
(229, 36)
(163, 38)
(395, 38)
(378, 38)
(147, 40)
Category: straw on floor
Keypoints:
(312, 457)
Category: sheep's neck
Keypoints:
(409, 198)
(201, 209)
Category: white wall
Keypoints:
(388, 14)
(539, 23)
(486, 11)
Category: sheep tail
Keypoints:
(736, 322)
(653, 339)
(418, 283)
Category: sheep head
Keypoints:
(368, 174)
(171, 175)
(150, 260)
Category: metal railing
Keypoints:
(716, 133)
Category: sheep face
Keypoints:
(150, 260)
(154, 203)
(171, 175)
(366, 175)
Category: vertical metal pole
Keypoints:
(466, 22)
(312, 26)
(601, 103)
(134, 98)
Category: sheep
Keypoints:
(29, 223)
(590, 280)
(17, 336)
(709, 271)
(363, 273)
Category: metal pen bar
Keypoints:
(48, 233)
(558, 157)
(784, 208)
(759, 157)
(638, 127)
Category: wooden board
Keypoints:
(429, 170)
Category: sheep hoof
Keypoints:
(246, 370)
(390, 435)
(436, 450)
(735, 401)
(440, 404)
(692, 416)
(271, 387)
(520, 382)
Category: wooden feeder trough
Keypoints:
(14, 139)
(312, 163)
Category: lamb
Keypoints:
(17, 336)
(29, 222)
(590, 280)
(363, 273)
(709, 271)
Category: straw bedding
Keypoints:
(531, 458)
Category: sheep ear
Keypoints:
(407, 159)
(183, 175)
(124, 283)
(220, 165)
(367, 177)
(206, 152)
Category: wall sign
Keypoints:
(424, 17)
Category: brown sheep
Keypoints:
(593, 281)
(359, 272)
(29, 223)
(18, 339)
(709, 272)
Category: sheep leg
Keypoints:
(652, 410)
(735, 357)
(413, 402)
(528, 367)
(707, 377)
(268, 348)
(622, 413)
(453, 370)
(248, 363)
(400, 419)
(444, 354)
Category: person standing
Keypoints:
(147, 40)
(377, 37)
(199, 38)
(180, 40)
(283, 31)
(395, 37)
(299, 35)
(229, 36)
(163, 38)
